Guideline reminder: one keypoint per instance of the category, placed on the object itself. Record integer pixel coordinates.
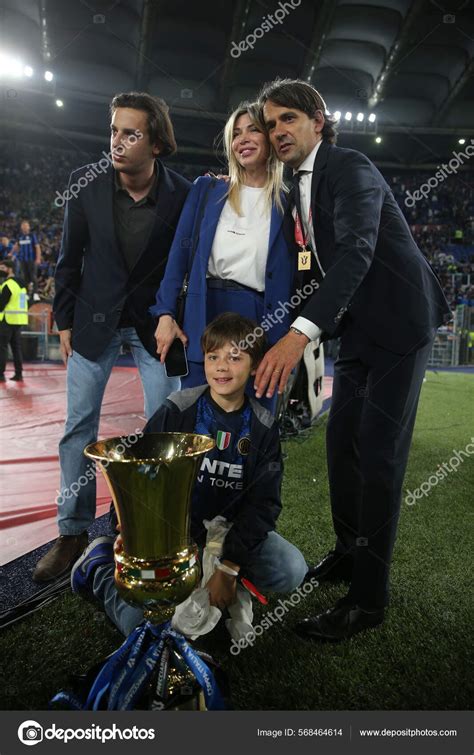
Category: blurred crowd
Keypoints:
(442, 222)
(29, 177)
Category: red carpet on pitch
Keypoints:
(31, 424)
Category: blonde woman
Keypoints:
(230, 241)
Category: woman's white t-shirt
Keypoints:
(240, 247)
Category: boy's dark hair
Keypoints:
(160, 128)
(8, 263)
(241, 332)
(295, 93)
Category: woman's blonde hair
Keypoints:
(274, 184)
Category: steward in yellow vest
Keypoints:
(13, 314)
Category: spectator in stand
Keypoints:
(5, 248)
(28, 252)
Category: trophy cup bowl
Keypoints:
(151, 483)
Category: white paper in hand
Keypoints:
(195, 616)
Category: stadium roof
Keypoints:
(409, 63)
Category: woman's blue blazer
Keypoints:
(278, 274)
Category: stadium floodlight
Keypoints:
(378, 139)
(337, 114)
(28, 71)
(372, 118)
(348, 116)
(48, 76)
(461, 141)
(10, 67)
(59, 103)
(360, 117)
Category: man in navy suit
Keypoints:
(119, 223)
(376, 291)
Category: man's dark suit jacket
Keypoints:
(374, 269)
(92, 278)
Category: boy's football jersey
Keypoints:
(220, 480)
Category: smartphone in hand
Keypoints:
(176, 362)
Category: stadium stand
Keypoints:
(442, 222)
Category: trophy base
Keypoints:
(181, 690)
(183, 693)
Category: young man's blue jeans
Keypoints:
(277, 566)
(86, 382)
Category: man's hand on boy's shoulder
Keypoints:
(222, 589)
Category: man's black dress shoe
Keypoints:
(334, 567)
(339, 623)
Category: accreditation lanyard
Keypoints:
(304, 254)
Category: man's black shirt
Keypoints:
(133, 220)
(133, 223)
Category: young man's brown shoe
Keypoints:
(65, 551)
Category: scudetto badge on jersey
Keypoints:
(222, 440)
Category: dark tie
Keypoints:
(295, 180)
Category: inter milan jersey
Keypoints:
(220, 481)
(27, 243)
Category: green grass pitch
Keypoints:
(419, 658)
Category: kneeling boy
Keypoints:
(240, 479)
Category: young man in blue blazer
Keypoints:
(119, 223)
